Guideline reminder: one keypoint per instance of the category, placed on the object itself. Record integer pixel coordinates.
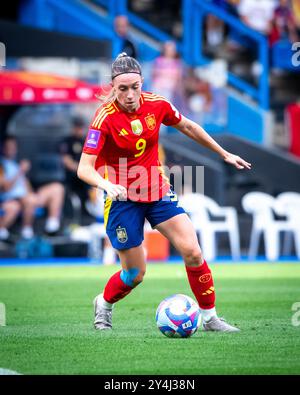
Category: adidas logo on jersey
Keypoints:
(123, 132)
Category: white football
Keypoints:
(178, 316)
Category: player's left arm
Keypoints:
(197, 133)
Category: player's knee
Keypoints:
(193, 256)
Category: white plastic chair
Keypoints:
(95, 208)
(200, 209)
(288, 205)
(94, 234)
(263, 207)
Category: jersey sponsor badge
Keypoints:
(150, 121)
(122, 234)
(137, 127)
(93, 138)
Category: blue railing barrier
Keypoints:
(246, 120)
(113, 7)
(194, 12)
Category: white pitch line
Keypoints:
(7, 372)
(2, 314)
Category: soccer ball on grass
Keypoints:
(178, 316)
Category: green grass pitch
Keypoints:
(49, 322)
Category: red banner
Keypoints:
(292, 117)
(24, 87)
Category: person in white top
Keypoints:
(257, 14)
(14, 194)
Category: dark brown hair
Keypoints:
(125, 64)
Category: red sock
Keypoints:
(202, 285)
(115, 289)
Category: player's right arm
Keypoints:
(86, 172)
(93, 145)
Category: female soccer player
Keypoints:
(122, 142)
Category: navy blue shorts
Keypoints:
(125, 219)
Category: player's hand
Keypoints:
(115, 191)
(236, 161)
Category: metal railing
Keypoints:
(194, 13)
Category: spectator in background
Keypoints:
(70, 149)
(257, 14)
(167, 74)
(296, 13)
(15, 197)
(218, 33)
(284, 25)
(45, 182)
(214, 27)
(198, 93)
(51, 197)
(215, 30)
(121, 25)
(231, 6)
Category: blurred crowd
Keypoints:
(22, 198)
(277, 19)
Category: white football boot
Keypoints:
(217, 324)
(103, 316)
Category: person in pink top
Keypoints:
(167, 73)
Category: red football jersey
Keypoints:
(126, 145)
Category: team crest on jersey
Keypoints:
(137, 127)
(122, 234)
(150, 121)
